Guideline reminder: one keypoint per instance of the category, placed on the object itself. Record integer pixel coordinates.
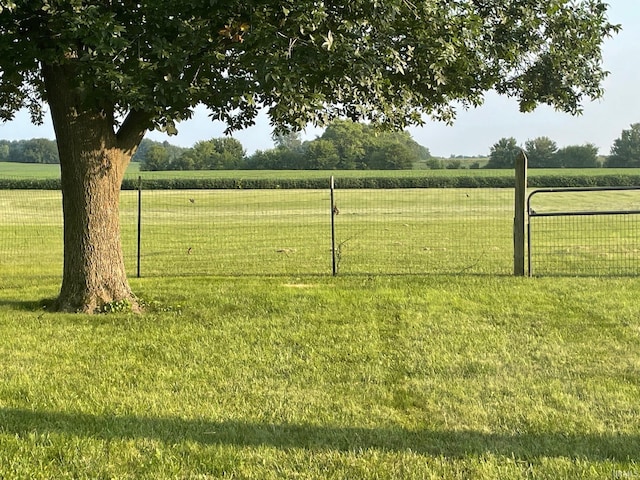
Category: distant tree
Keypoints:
(625, 151)
(392, 156)
(156, 157)
(578, 156)
(541, 153)
(357, 146)
(503, 154)
(400, 148)
(216, 154)
(36, 150)
(434, 164)
(289, 141)
(321, 154)
(350, 141)
(5, 147)
(262, 160)
(453, 164)
(230, 154)
(142, 150)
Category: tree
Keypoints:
(349, 139)
(216, 154)
(290, 141)
(541, 153)
(321, 154)
(578, 156)
(434, 164)
(625, 151)
(5, 147)
(109, 71)
(263, 160)
(503, 153)
(391, 155)
(156, 157)
(344, 145)
(35, 150)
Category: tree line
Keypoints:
(36, 150)
(542, 152)
(344, 145)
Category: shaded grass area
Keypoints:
(317, 377)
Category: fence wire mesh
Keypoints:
(585, 232)
(30, 233)
(279, 232)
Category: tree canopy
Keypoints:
(503, 153)
(625, 151)
(541, 153)
(578, 156)
(305, 61)
(36, 150)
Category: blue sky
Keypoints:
(474, 131)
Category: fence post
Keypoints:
(520, 217)
(334, 265)
(139, 224)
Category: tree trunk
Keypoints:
(94, 272)
(93, 159)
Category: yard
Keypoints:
(391, 373)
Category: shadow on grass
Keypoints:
(525, 446)
(28, 305)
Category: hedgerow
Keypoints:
(461, 181)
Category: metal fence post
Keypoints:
(139, 223)
(334, 265)
(519, 216)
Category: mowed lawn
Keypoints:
(319, 377)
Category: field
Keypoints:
(29, 171)
(385, 371)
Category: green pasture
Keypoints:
(40, 171)
(279, 232)
(289, 232)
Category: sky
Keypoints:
(475, 130)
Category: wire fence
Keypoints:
(588, 231)
(278, 232)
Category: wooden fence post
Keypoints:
(519, 218)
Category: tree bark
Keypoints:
(93, 159)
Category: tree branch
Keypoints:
(132, 130)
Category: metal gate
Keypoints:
(584, 231)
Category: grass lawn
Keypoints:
(368, 377)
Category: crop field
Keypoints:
(40, 171)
